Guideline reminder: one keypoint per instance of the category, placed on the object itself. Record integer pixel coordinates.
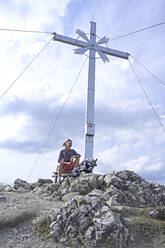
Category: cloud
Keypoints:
(42, 117)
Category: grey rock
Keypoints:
(104, 209)
(55, 230)
(15, 231)
(73, 204)
(40, 191)
(85, 209)
(90, 233)
(85, 223)
(8, 188)
(100, 181)
(113, 180)
(69, 196)
(106, 196)
(95, 211)
(53, 187)
(65, 191)
(94, 201)
(81, 185)
(96, 192)
(20, 184)
(1, 187)
(112, 201)
(44, 182)
(3, 198)
(154, 213)
(93, 181)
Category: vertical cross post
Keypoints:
(89, 122)
(93, 46)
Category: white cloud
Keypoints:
(11, 126)
(127, 133)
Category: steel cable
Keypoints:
(25, 31)
(136, 31)
(160, 81)
(145, 93)
(56, 120)
(22, 72)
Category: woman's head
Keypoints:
(67, 143)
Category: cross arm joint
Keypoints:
(68, 40)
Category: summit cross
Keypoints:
(93, 46)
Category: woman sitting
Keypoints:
(68, 159)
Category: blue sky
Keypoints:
(128, 136)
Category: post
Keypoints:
(83, 46)
(89, 122)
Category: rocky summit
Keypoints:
(116, 210)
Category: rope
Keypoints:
(144, 91)
(56, 120)
(22, 72)
(25, 31)
(148, 71)
(139, 30)
(115, 38)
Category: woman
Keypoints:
(68, 159)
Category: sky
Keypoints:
(128, 135)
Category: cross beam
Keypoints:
(93, 47)
(80, 43)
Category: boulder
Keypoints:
(89, 222)
(21, 185)
(1, 187)
(3, 197)
(8, 188)
(44, 182)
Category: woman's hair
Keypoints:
(65, 142)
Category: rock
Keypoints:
(56, 231)
(8, 188)
(52, 187)
(3, 198)
(42, 181)
(90, 235)
(15, 231)
(1, 187)
(82, 200)
(100, 181)
(21, 185)
(42, 224)
(96, 192)
(128, 175)
(80, 184)
(72, 204)
(85, 223)
(40, 191)
(158, 213)
(113, 180)
(85, 209)
(71, 195)
(94, 201)
(92, 228)
(88, 211)
(154, 213)
(93, 181)
(104, 209)
(112, 201)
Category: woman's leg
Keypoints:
(76, 162)
(61, 166)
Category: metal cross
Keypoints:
(93, 47)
